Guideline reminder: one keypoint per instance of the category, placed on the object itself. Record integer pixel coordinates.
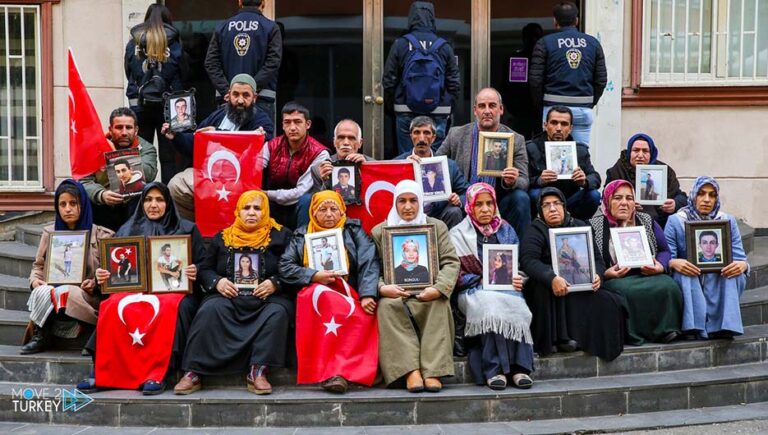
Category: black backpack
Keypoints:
(152, 85)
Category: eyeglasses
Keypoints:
(554, 204)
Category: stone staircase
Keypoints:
(651, 378)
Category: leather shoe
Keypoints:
(414, 383)
(259, 385)
(38, 342)
(433, 385)
(567, 346)
(336, 385)
(188, 384)
(670, 337)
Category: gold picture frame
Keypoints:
(488, 162)
(180, 257)
(424, 273)
(124, 257)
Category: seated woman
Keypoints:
(155, 215)
(562, 320)
(653, 299)
(67, 303)
(326, 212)
(641, 150)
(710, 300)
(498, 322)
(426, 356)
(236, 329)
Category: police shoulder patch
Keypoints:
(242, 42)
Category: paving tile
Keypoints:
(656, 399)
(525, 408)
(218, 415)
(476, 429)
(557, 366)
(752, 315)
(68, 373)
(732, 352)
(757, 391)
(303, 414)
(424, 429)
(684, 359)
(14, 410)
(717, 395)
(160, 414)
(98, 414)
(452, 411)
(23, 371)
(628, 363)
(581, 405)
(378, 413)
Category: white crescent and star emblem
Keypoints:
(229, 157)
(375, 187)
(72, 111)
(116, 251)
(332, 327)
(152, 300)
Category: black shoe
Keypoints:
(670, 337)
(38, 342)
(726, 335)
(567, 346)
(458, 347)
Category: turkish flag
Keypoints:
(334, 336)
(134, 338)
(226, 165)
(378, 186)
(87, 143)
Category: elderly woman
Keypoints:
(641, 150)
(236, 329)
(68, 303)
(563, 320)
(426, 355)
(326, 212)
(498, 322)
(653, 299)
(156, 215)
(710, 300)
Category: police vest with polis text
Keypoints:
(243, 40)
(570, 66)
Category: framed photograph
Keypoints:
(65, 259)
(708, 244)
(125, 259)
(246, 266)
(345, 180)
(651, 184)
(327, 252)
(499, 266)
(168, 256)
(631, 246)
(495, 152)
(410, 256)
(573, 256)
(561, 158)
(125, 172)
(435, 178)
(180, 111)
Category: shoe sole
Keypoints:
(416, 389)
(188, 391)
(253, 390)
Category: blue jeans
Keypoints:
(582, 123)
(515, 208)
(404, 143)
(581, 205)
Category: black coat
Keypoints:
(364, 264)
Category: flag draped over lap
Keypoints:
(378, 185)
(226, 165)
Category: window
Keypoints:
(20, 99)
(705, 42)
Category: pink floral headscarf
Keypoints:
(472, 193)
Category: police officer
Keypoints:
(568, 69)
(247, 43)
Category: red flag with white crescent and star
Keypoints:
(226, 165)
(334, 336)
(87, 143)
(134, 338)
(378, 185)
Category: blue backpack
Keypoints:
(423, 76)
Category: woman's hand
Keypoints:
(368, 304)
(324, 277)
(517, 282)
(37, 283)
(264, 289)
(88, 285)
(656, 269)
(191, 272)
(596, 282)
(226, 288)
(559, 286)
(429, 294)
(393, 291)
(684, 266)
(102, 275)
(668, 206)
(616, 272)
(736, 268)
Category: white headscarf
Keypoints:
(407, 186)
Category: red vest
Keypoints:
(284, 169)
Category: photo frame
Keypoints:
(245, 269)
(345, 179)
(491, 160)
(416, 239)
(167, 258)
(499, 266)
(125, 258)
(67, 257)
(125, 172)
(562, 158)
(631, 246)
(434, 174)
(656, 193)
(708, 244)
(573, 256)
(181, 110)
(327, 252)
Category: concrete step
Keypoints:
(30, 233)
(16, 258)
(14, 292)
(747, 236)
(758, 261)
(311, 407)
(12, 325)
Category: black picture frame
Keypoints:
(170, 110)
(350, 197)
(245, 285)
(720, 231)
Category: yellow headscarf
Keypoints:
(314, 226)
(237, 236)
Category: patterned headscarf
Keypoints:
(473, 192)
(407, 186)
(651, 145)
(608, 192)
(690, 211)
(238, 236)
(85, 221)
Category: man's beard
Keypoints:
(239, 115)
